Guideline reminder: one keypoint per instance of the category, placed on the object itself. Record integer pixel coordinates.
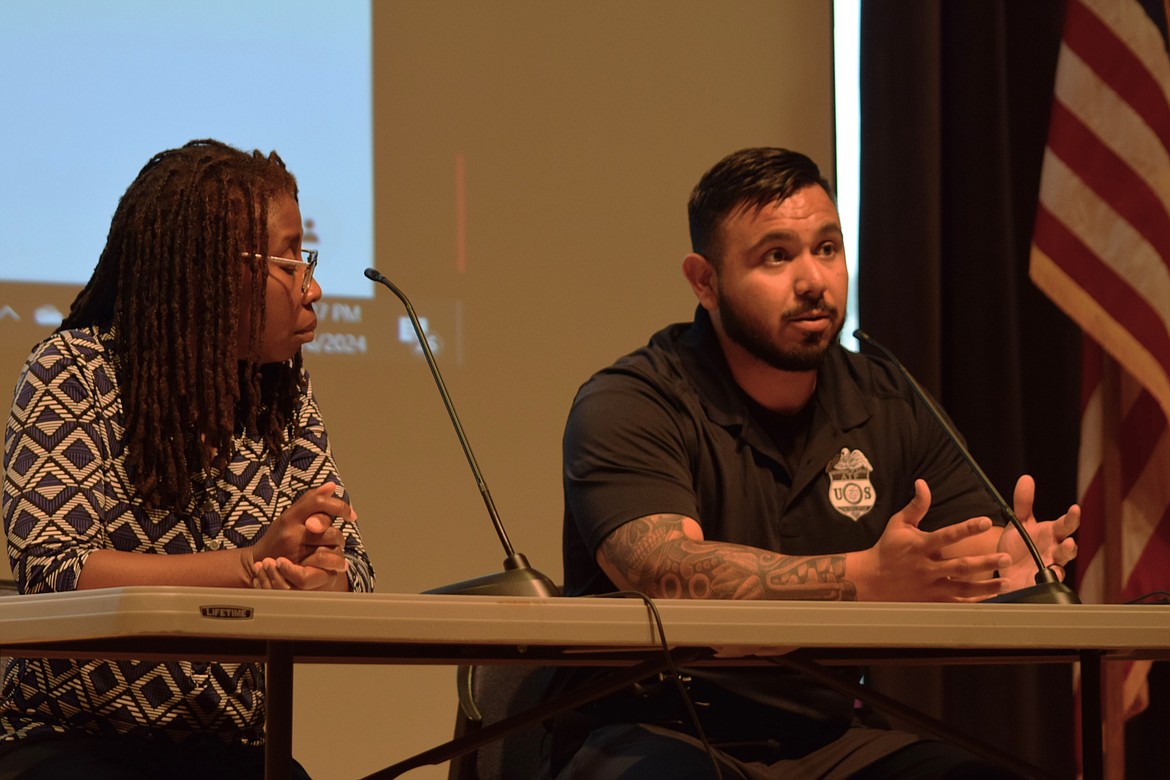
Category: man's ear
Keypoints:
(704, 280)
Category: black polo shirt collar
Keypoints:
(841, 404)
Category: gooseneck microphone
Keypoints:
(518, 577)
(1048, 588)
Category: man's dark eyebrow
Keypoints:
(827, 230)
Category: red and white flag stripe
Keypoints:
(1102, 236)
(1101, 251)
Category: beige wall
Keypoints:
(581, 128)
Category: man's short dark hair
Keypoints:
(749, 178)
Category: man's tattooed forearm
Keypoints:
(657, 558)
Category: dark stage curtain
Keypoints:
(955, 103)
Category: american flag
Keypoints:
(1101, 251)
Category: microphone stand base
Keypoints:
(1044, 593)
(524, 581)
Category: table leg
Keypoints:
(1092, 758)
(278, 723)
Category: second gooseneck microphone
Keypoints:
(1048, 588)
(518, 577)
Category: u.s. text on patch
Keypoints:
(850, 491)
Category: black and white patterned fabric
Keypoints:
(67, 493)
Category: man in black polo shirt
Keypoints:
(746, 452)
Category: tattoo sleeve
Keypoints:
(656, 557)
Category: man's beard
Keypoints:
(758, 340)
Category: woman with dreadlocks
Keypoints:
(167, 434)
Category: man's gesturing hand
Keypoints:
(908, 564)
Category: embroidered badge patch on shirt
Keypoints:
(850, 491)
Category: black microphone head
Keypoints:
(373, 275)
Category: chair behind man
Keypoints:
(491, 693)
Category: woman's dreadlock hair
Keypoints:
(168, 286)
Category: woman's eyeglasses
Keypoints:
(309, 264)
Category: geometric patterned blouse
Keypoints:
(66, 493)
